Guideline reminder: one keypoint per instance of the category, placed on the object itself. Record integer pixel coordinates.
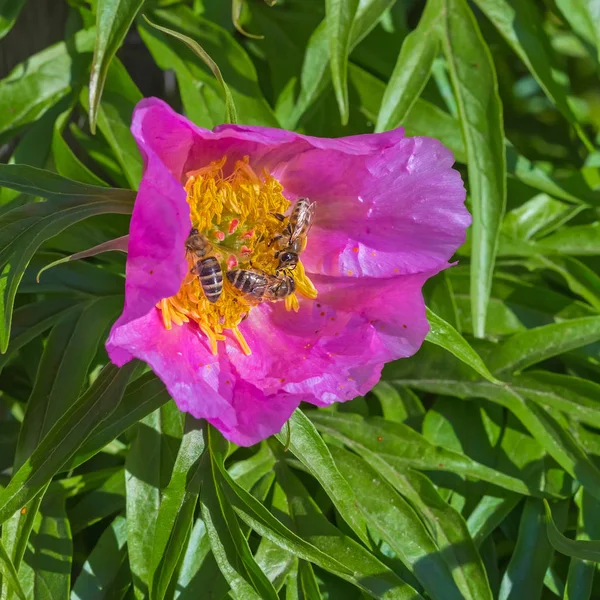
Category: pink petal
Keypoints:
(333, 349)
(205, 385)
(398, 211)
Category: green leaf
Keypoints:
(581, 572)
(396, 522)
(400, 445)
(35, 85)
(230, 110)
(580, 278)
(99, 504)
(445, 525)
(307, 445)
(99, 573)
(582, 549)
(7, 569)
(176, 511)
(584, 18)
(31, 320)
(412, 70)
(316, 75)
(148, 464)
(340, 19)
(229, 545)
(9, 11)
(142, 397)
(66, 161)
(62, 373)
(520, 23)
(39, 182)
(444, 335)
(476, 88)
(118, 244)
(358, 567)
(113, 19)
(24, 229)
(531, 558)
(398, 403)
(48, 564)
(535, 345)
(63, 440)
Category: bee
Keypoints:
(292, 240)
(259, 286)
(207, 268)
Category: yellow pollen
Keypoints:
(234, 209)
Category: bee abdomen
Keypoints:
(248, 282)
(211, 278)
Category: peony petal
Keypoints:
(399, 211)
(333, 349)
(201, 383)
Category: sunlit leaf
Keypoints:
(113, 19)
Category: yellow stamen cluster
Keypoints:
(235, 213)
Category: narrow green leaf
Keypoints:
(535, 345)
(9, 11)
(45, 184)
(142, 397)
(33, 319)
(412, 70)
(395, 521)
(521, 25)
(400, 445)
(62, 373)
(101, 568)
(106, 501)
(581, 572)
(176, 511)
(48, 566)
(584, 18)
(579, 277)
(476, 87)
(316, 76)
(318, 549)
(229, 545)
(149, 462)
(582, 549)
(488, 514)
(66, 161)
(443, 334)
(25, 228)
(7, 569)
(524, 576)
(230, 111)
(340, 19)
(398, 403)
(63, 440)
(308, 446)
(118, 244)
(113, 19)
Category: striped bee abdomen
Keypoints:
(211, 278)
(248, 282)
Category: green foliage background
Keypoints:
(471, 471)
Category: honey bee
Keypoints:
(292, 240)
(259, 286)
(207, 268)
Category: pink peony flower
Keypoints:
(389, 214)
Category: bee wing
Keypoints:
(304, 222)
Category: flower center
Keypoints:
(235, 215)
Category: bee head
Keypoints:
(288, 260)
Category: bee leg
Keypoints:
(279, 216)
(274, 239)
